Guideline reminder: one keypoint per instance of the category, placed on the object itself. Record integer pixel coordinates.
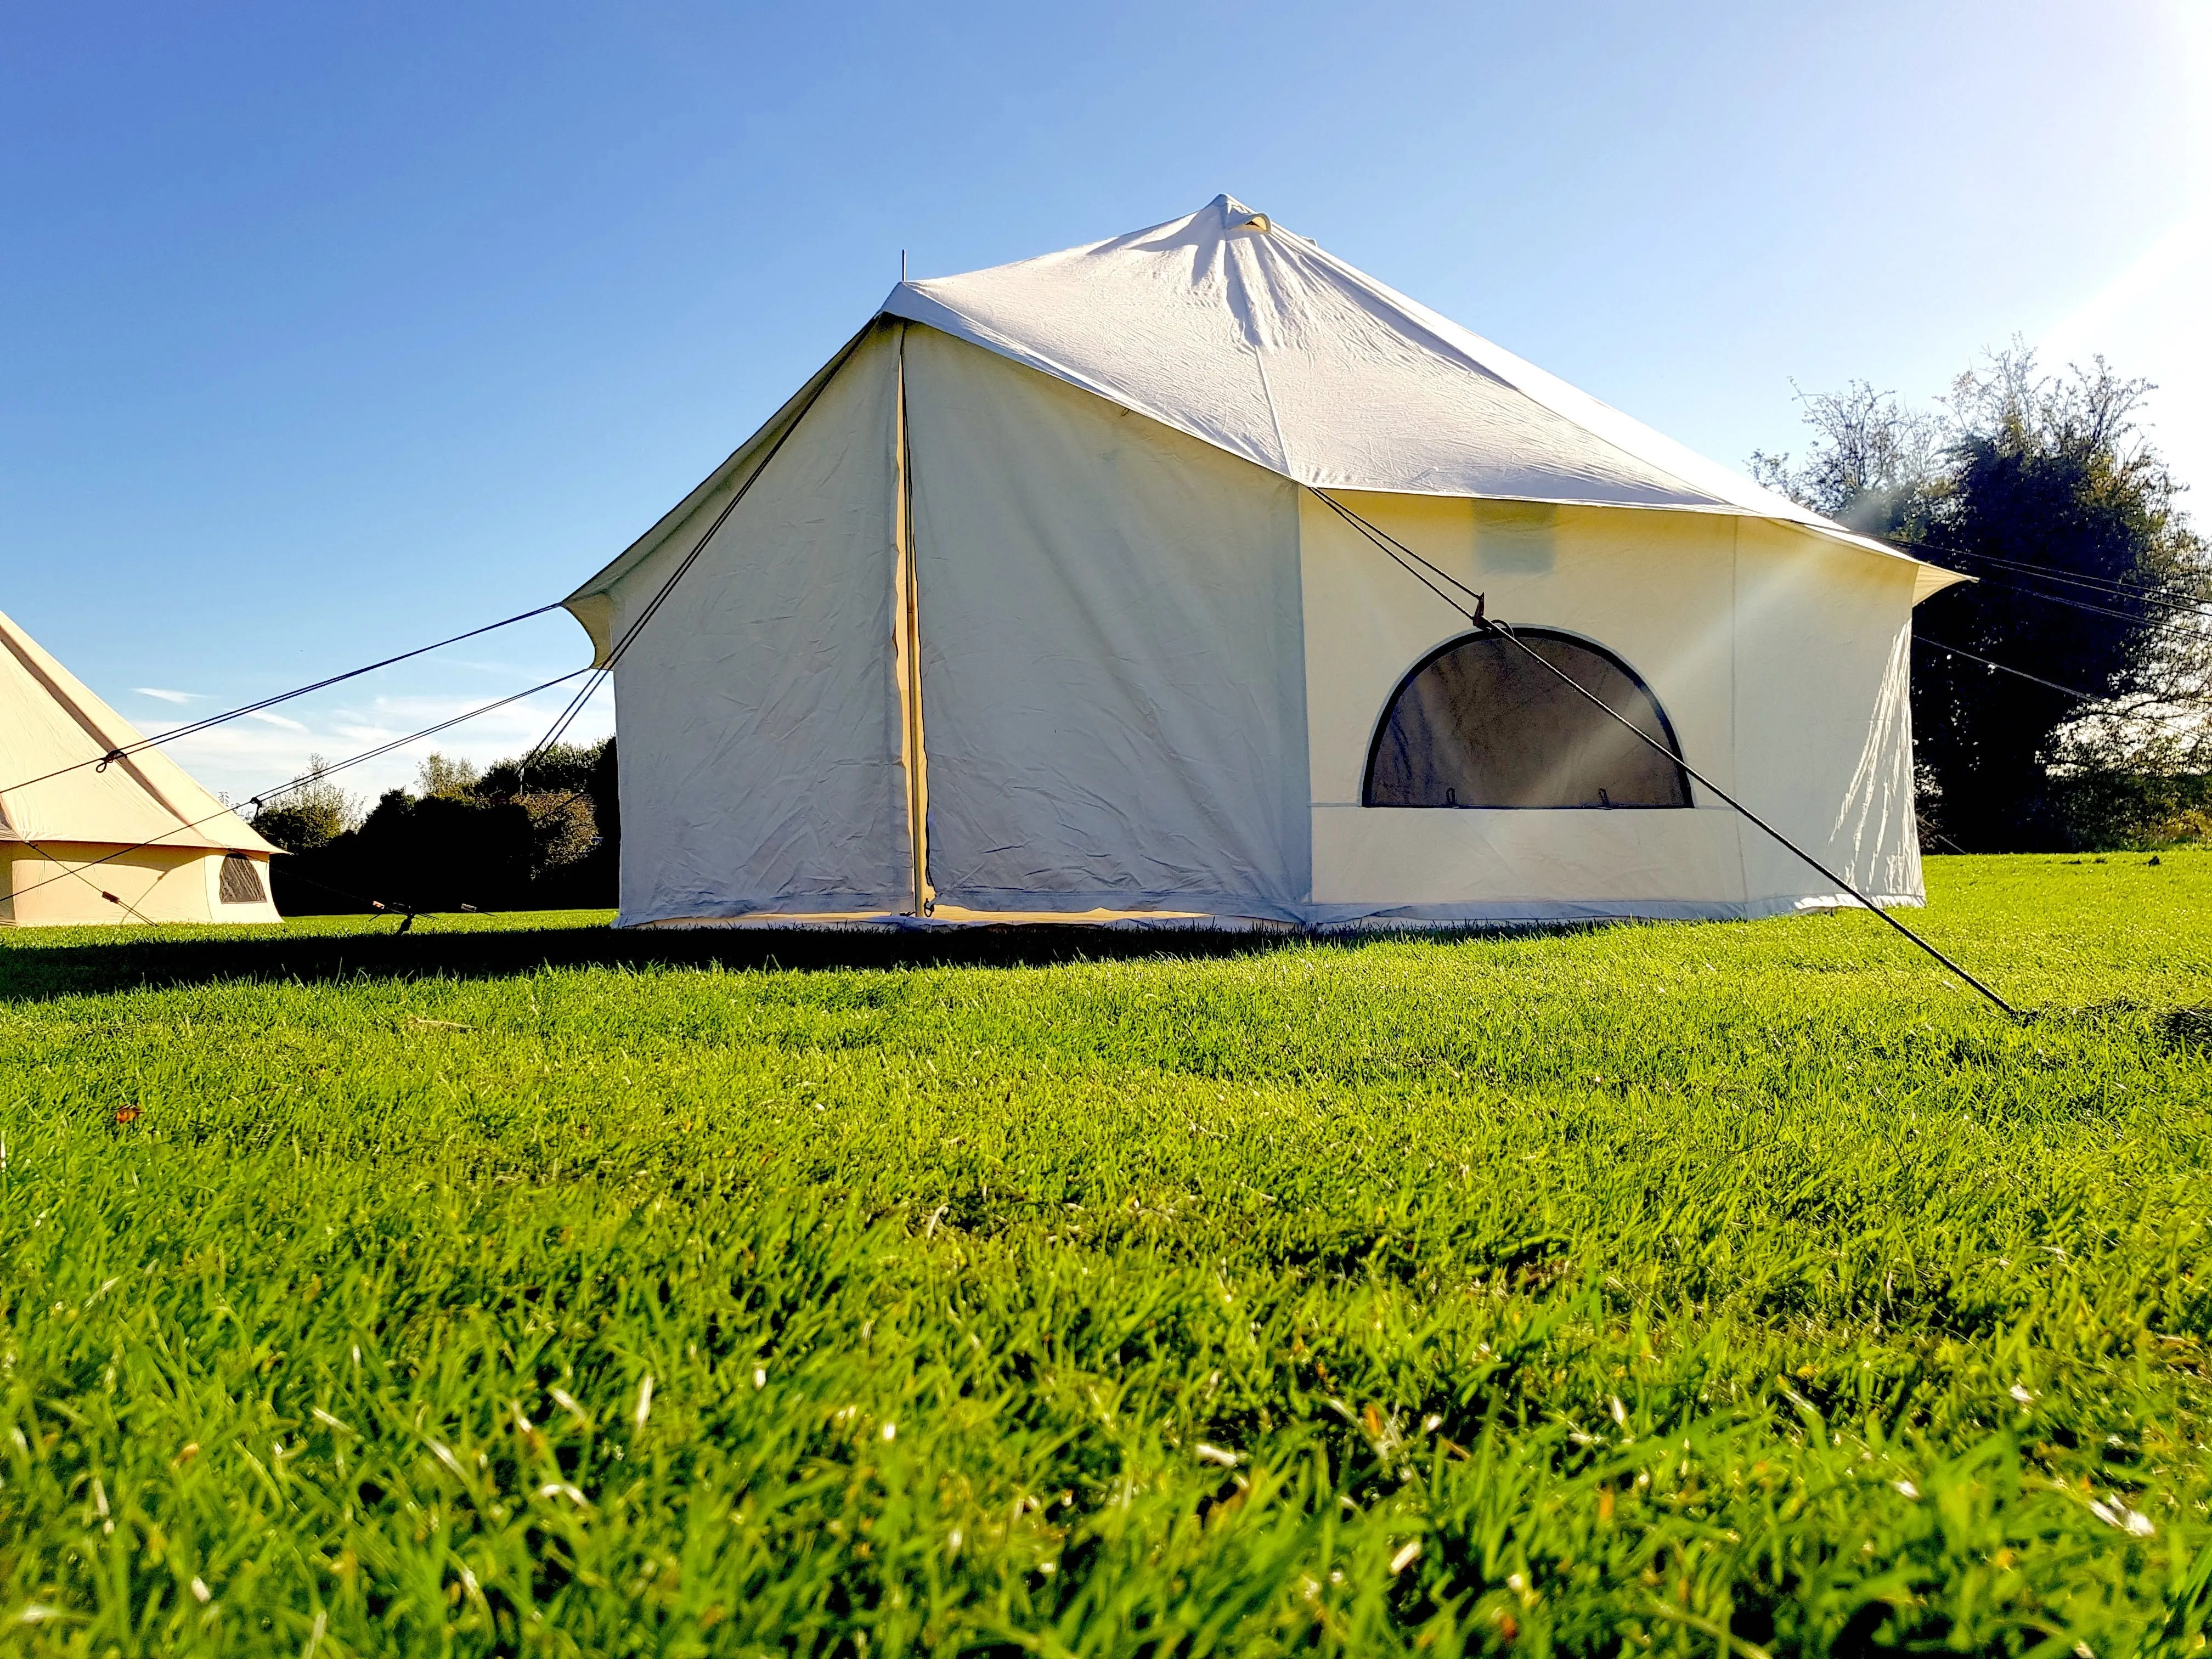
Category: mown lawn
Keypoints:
(514, 1287)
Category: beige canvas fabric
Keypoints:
(1777, 657)
(147, 841)
(761, 765)
(1033, 590)
(1111, 664)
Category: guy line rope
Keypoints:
(296, 783)
(593, 675)
(103, 762)
(600, 671)
(2074, 691)
(1407, 559)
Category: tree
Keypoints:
(313, 815)
(443, 777)
(506, 839)
(1872, 463)
(2045, 490)
(562, 769)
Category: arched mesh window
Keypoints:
(1477, 724)
(240, 883)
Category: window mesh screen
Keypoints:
(241, 881)
(1479, 725)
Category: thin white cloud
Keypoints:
(168, 697)
(268, 719)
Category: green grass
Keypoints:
(514, 1286)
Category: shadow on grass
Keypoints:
(34, 971)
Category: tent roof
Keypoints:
(1224, 325)
(49, 721)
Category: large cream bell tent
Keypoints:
(134, 839)
(1068, 589)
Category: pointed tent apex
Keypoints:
(56, 733)
(1235, 216)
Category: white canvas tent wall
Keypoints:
(1026, 605)
(138, 829)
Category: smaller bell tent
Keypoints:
(1138, 584)
(133, 840)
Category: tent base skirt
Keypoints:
(949, 917)
(1503, 916)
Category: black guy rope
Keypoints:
(2111, 586)
(568, 716)
(593, 677)
(2098, 586)
(1492, 625)
(102, 762)
(2048, 574)
(600, 671)
(303, 781)
(78, 872)
(2022, 673)
(2086, 606)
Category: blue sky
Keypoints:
(326, 332)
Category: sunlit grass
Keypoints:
(515, 1286)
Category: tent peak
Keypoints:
(1235, 216)
(1228, 326)
(86, 774)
